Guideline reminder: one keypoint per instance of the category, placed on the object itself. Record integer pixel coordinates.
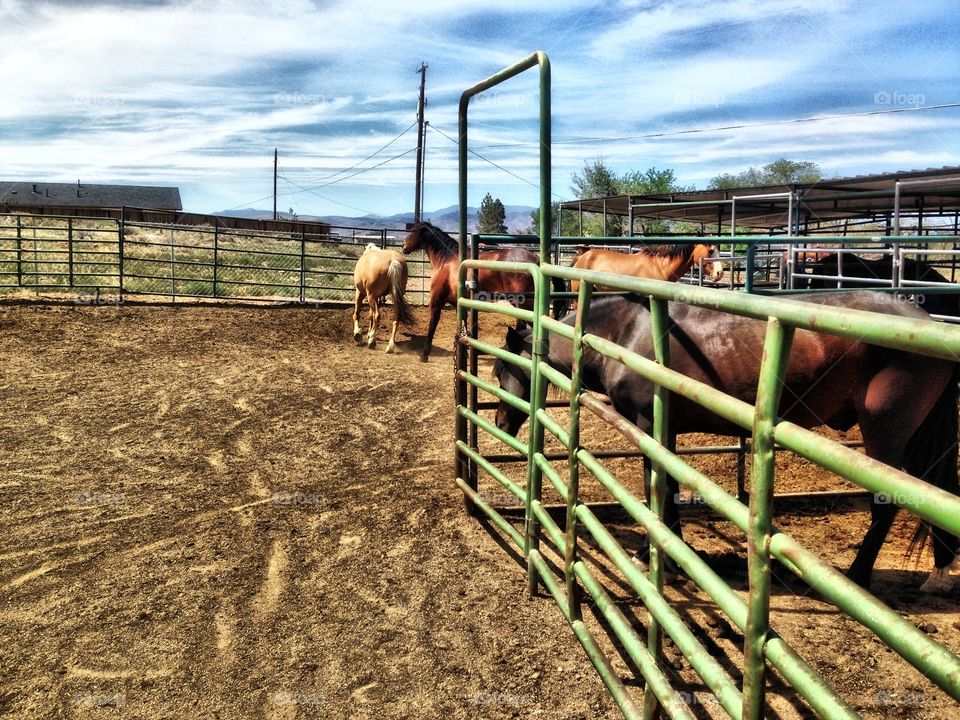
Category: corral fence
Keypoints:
(578, 578)
(149, 253)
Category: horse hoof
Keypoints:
(424, 358)
(388, 350)
(358, 337)
(938, 582)
(372, 344)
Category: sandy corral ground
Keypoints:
(235, 512)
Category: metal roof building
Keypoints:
(69, 198)
(923, 198)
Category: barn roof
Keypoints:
(82, 195)
(934, 191)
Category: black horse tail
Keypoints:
(561, 305)
(932, 456)
(396, 275)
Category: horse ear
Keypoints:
(516, 336)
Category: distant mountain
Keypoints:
(518, 218)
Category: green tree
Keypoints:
(779, 172)
(491, 218)
(569, 225)
(596, 180)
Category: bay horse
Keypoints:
(657, 262)
(444, 254)
(906, 404)
(376, 274)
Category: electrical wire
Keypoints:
(722, 128)
(369, 157)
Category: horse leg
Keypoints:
(671, 513)
(882, 513)
(890, 416)
(434, 321)
(357, 304)
(374, 320)
(393, 329)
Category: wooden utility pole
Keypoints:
(421, 131)
(274, 183)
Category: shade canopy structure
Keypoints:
(915, 201)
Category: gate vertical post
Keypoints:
(70, 250)
(573, 461)
(216, 252)
(19, 253)
(474, 332)
(776, 352)
(121, 228)
(660, 327)
(303, 264)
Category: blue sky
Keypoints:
(198, 94)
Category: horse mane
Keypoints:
(670, 250)
(436, 239)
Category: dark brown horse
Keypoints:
(444, 255)
(658, 262)
(861, 273)
(906, 404)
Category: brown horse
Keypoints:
(444, 255)
(657, 262)
(377, 273)
(905, 404)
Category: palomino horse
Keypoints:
(377, 273)
(444, 255)
(906, 404)
(656, 262)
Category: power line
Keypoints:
(322, 197)
(366, 169)
(369, 157)
(742, 126)
(485, 159)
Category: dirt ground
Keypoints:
(235, 512)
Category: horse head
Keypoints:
(513, 379)
(713, 268)
(414, 239)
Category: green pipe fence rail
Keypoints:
(762, 646)
(99, 258)
(575, 580)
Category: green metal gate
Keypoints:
(762, 648)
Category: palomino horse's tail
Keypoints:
(395, 275)
(932, 456)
